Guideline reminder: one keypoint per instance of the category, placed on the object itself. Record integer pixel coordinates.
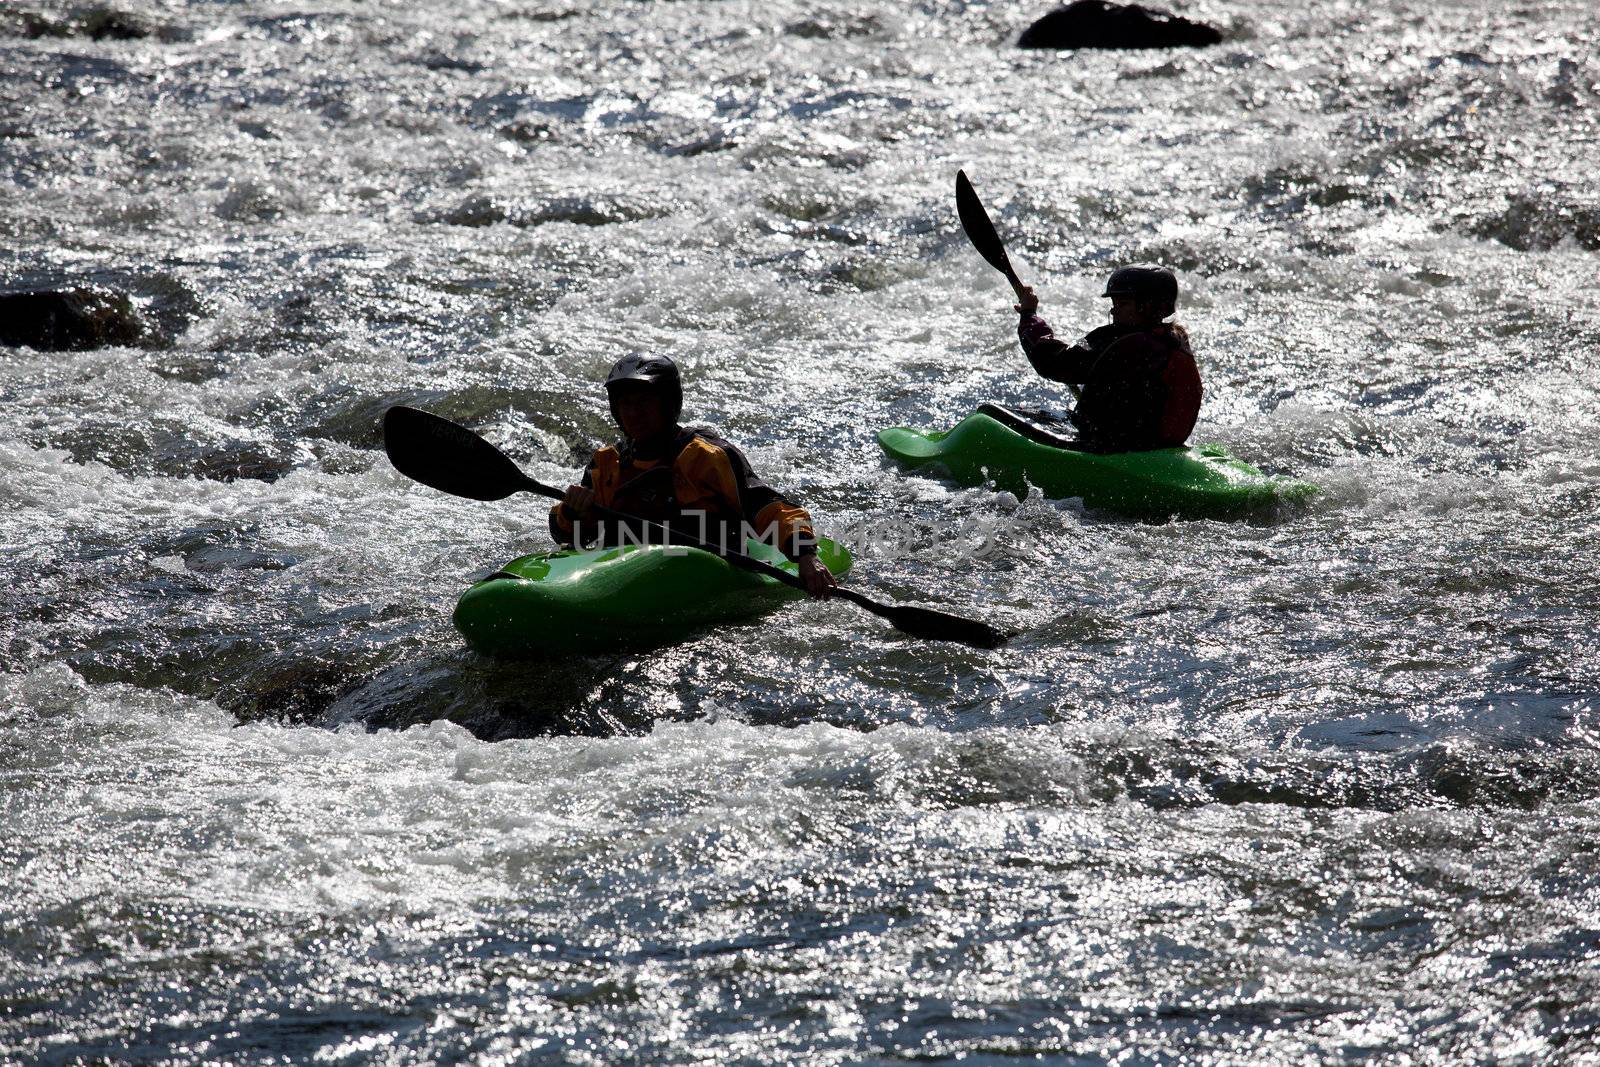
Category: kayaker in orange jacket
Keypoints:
(696, 484)
(1141, 387)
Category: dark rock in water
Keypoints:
(476, 210)
(97, 22)
(234, 462)
(103, 25)
(829, 29)
(69, 319)
(1544, 220)
(168, 305)
(1098, 24)
(599, 209)
(291, 690)
(108, 306)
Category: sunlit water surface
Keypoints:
(1315, 787)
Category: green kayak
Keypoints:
(598, 599)
(996, 444)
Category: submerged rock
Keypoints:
(598, 209)
(826, 28)
(1098, 24)
(1542, 221)
(97, 22)
(106, 24)
(69, 319)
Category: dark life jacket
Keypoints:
(1141, 387)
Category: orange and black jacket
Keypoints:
(1141, 388)
(698, 485)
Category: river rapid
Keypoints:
(1320, 786)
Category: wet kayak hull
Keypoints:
(1198, 482)
(552, 603)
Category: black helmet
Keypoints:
(1143, 282)
(656, 373)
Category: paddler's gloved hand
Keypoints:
(578, 501)
(819, 581)
(1027, 301)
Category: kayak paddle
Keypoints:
(447, 456)
(981, 232)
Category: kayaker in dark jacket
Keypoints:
(1141, 388)
(696, 484)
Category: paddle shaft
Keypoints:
(985, 238)
(451, 458)
(1010, 273)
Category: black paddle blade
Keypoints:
(980, 228)
(451, 458)
(933, 625)
(937, 626)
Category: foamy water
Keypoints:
(1315, 788)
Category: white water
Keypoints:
(1321, 788)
